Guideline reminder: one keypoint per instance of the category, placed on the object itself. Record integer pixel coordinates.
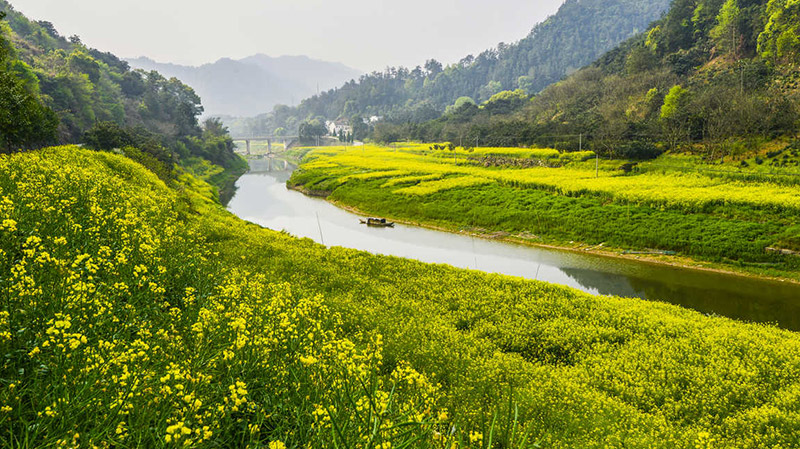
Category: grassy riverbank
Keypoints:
(222, 179)
(714, 218)
(139, 315)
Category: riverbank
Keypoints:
(222, 179)
(575, 247)
(265, 199)
(687, 215)
(440, 318)
(181, 295)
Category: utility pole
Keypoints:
(596, 165)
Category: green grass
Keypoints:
(282, 339)
(658, 207)
(223, 179)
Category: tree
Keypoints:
(433, 67)
(780, 40)
(675, 116)
(106, 136)
(725, 34)
(24, 121)
(640, 59)
(491, 88)
(527, 84)
(311, 130)
(506, 102)
(82, 63)
(214, 126)
(461, 103)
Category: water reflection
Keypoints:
(263, 198)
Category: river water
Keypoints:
(262, 198)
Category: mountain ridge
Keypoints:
(262, 81)
(575, 36)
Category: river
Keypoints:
(262, 198)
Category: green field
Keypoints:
(136, 315)
(723, 215)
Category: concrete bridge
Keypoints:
(286, 140)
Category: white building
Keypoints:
(338, 126)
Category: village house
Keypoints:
(339, 126)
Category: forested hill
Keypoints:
(717, 76)
(55, 89)
(84, 85)
(575, 36)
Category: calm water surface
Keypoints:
(262, 198)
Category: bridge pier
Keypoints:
(247, 142)
(269, 146)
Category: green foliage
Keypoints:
(80, 62)
(487, 91)
(780, 40)
(713, 49)
(463, 106)
(506, 102)
(653, 206)
(577, 34)
(99, 101)
(138, 144)
(169, 290)
(726, 33)
(674, 107)
(311, 130)
(108, 136)
(24, 121)
(85, 86)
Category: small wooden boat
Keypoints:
(377, 222)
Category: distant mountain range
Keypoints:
(253, 85)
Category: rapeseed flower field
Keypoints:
(561, 197)
(120, 328)
(133, 314)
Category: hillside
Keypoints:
(85, 86)
(57, 90)
(575, 36)
(714, 77)
(253, 85)
(146, 316)
(136, 311)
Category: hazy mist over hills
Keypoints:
(255, 84)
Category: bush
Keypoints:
(638, 150)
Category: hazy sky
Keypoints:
(365, 34)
